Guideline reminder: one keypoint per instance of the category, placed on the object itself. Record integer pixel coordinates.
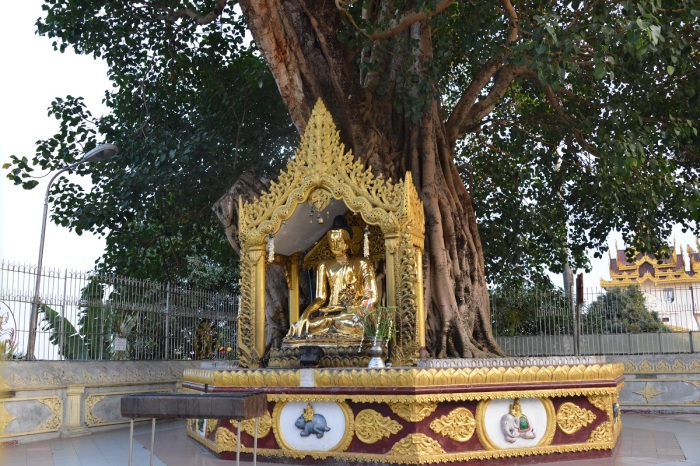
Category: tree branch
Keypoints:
(468, 111)
(406, 21)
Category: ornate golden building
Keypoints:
(648, 269)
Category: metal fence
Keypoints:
(86, 315)
(93, 316)
(644, 319)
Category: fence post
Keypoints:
(62, 325)
(577, 315)
(167, 322)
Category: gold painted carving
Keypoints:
(572, 418)
(444, 397)
(370, 426)
(413, 412)
(601, 434)
(91, 419)
(55, 420)
(408, 377)
(254, 378)
(225, 440)
(602, 402)
(247, 353)
(489, 444)
(648, 392)
(322, 164)
(459, 425)
(5, 417)
(248, 426)
(416, 445)
(406, 348)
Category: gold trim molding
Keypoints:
(51, 424)
(407, 377)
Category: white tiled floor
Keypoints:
(670, 440)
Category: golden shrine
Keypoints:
(418, 411)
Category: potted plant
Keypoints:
(378, 327)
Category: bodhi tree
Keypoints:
(549, 123)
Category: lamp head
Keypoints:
(101, 153)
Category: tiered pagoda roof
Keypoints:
(647, 268)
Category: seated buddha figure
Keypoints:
(343, 283)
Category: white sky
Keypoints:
(34, 74)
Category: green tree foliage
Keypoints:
(569, 118)
(621, 310)
(600, 134)
(191, 108)
(531, 311)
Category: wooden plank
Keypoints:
(236, 406)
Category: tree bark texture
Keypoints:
(299, 40)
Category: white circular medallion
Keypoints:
(324, 430)
(530, 428)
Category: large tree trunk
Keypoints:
(299, 42)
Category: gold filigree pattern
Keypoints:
(407, 348)
(321, 162)
(459, 425)
(211, 426)
(572, 418)
(416, 445)
(55, 420)
(92, 419)
(413, 412)
(226, 440)
(601, 434)
(600, 401)
(246, 345)
(370, 426)
(248, 426)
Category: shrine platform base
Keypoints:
(449, 411)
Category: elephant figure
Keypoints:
(515, 427)
(317, 425)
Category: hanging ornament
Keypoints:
(365, 246)
(271, 249)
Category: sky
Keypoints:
(34, 74)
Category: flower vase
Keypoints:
(376, 352)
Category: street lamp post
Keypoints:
(98, 154)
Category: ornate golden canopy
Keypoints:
(323, 180)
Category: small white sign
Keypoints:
(120, 344)
(306, 378)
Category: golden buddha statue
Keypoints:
(343, 284)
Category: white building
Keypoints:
(671, 286)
